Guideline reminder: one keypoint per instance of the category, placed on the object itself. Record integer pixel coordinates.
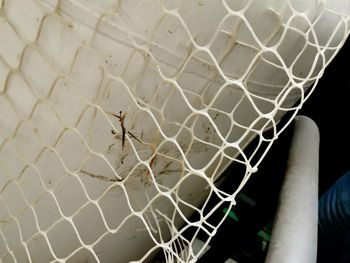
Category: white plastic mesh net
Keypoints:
(117, 117)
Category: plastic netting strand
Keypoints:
(118, 117)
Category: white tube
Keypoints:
(294, 235)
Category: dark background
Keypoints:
(329, 107)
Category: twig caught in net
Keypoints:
(198, 79)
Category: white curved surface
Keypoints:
(64, 64)
(294, 234)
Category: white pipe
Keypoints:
(294, 235)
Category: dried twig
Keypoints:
(121, 117)
(101, 177)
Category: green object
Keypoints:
(231, 214)
(265, 233)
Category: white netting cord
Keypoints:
(118, 117)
